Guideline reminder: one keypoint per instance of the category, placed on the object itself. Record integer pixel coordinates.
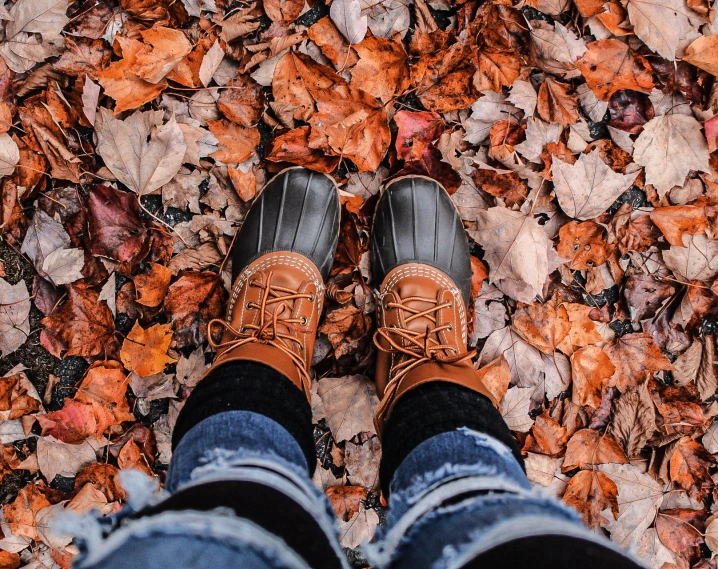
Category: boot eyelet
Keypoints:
(303, 321)
(451, 328)
(451, 305)
(311, 297)
(248, 306)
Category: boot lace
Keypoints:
(267, 330)
(417, 347)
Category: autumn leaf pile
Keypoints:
(578, 139)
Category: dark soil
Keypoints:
(31, 354)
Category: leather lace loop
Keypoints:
(267, 330)
(417, 347)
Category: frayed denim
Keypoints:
(455, 496)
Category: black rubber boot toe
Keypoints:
(416, 222)
(298, 211)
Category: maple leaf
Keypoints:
(635, 356)
(591, 492)
(349, 404)
(237, 144)
(669, 147)
(589, 448)
(587, 188)
(661, 24)
(702, 54)
(610, 65)
(141, 151)
(145, 351)
(82, 323)
(382, 68)
(192, 301)
(510, 239)
(22, 48)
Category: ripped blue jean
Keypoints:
(455, 496)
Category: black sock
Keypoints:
(435, 408)
(249, 386)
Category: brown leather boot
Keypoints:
(420, 255)
(282, 256)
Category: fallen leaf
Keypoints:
(634, 421)
(347, 17)
(555, 105)
(346, 500)
(697, 365)
(360, 528)
(543, 325)
(21, 512)
(192, 301)
(55, 457)
(669, 147)
(210, 63)
(362, 463)
(589, 448)
(142, 151)
(9, 154)
(635, 357)
(702, 54)
(588, 188)
(584, 245)
(14, 316)
(639, 497)
(591, 492)
(590, 368)
(350, 403)
(696, 260)
(610, 65)
(144, 351)
(515, 408)
(82, 323)
(510, 237)
(168, 47)
(680, 531)
(152, 286)
(689, 468)
(237, 144)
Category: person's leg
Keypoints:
(458, 495)
(239, 485)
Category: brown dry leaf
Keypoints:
(496, 376)
(345, 328)
(362, 463)
(675, 221)
(349, 403)
(382, 68)
(144, 351)
(496, 70)
(298, 80)
(242, 101)
(360, 528)
(14, 316)
(168, 47)
(121, 82)
(509, 239)
(681, 532)
(555, 105)
(152, 286)
(345, 500)
(103, 477)
(543, 325)
(550, 437)
(635, 357)
(192, 301)
(610, 65)
(689, 468)
(589, 187)
(584, 245)
(639, 497)
(669, 147)
(131, 457)
(697, 365)
(696, 260)
(293, 147)
(703, 53)
(590, 368)
(591, 492)
(237, 144)
(634, 420)
(103, 388)
(21, 512)
(83, 325)
(589, 448)
(142, 151)
(55, 457)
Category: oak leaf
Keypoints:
(142, 151)
(144, 351)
